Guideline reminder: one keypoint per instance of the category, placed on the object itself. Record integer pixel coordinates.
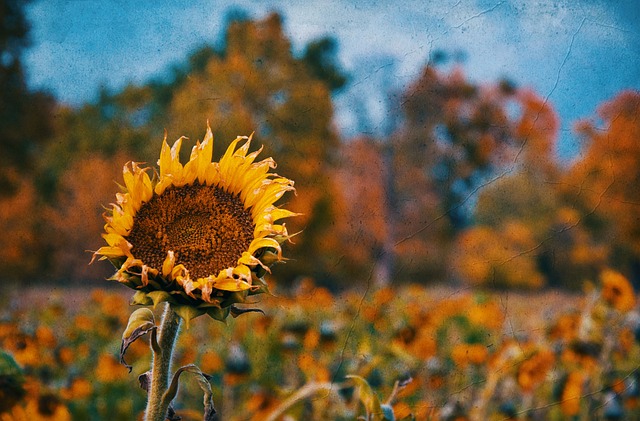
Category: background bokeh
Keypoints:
(418, 155)
(467, 174)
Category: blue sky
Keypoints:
(576, 54)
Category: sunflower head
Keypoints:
(617, 291)
(200, 236)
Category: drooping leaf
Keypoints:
(236, 311)
(145, 384)
(140, 322)
(218, 313)
(205, 386)
(145, 381)
(368, 398)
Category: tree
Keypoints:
(256, 84)
(451, 137)
(603, 185)
(362, 224)
(25, 116)
(252, 82)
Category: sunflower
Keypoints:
(617, 291)
(199, 236)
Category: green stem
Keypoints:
(169, 327)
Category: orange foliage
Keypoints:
(606, 179)
(502, 258)
(259, 86)
(361, 179)
(74, 223)
(570, 401)
(537, 129)
(617, 291)
(20, 242)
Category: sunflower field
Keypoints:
(410, 353)
(437, 259)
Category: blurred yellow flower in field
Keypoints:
(626, 339)
(566, 327)
(39, 408)
(487, 314)
(25, 350)
(465, 354)
(617, 290)
(533, 371)
(571, 393)
(109, 370)
(83, 322)
(211, 362)
(200, 235)
(402, 410)
(45, 337)
(65, 355)
(79, 389)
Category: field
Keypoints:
(451, 354)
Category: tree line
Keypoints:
(465, 186)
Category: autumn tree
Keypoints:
(74, 216)
(363, 225)
(251, 82)
(452, 135)
(603, 184)
(562, 214)
(256, 84)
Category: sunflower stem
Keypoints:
(162, 356)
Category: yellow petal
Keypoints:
(265, 242)
(165, 158)
(226, 162)
(108, 251)
(212, 174)
(168, 264)
(205, 156)
(230, 284)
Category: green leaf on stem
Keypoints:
(141, 298)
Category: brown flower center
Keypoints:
(207, 228)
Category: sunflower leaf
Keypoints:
(145, 384)
(141, 298)
(188, 313)
(368, 398)
(205, 386)
(235, 311)
(145, 381)
(259, 287)
(140, 322)
(218, 313)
